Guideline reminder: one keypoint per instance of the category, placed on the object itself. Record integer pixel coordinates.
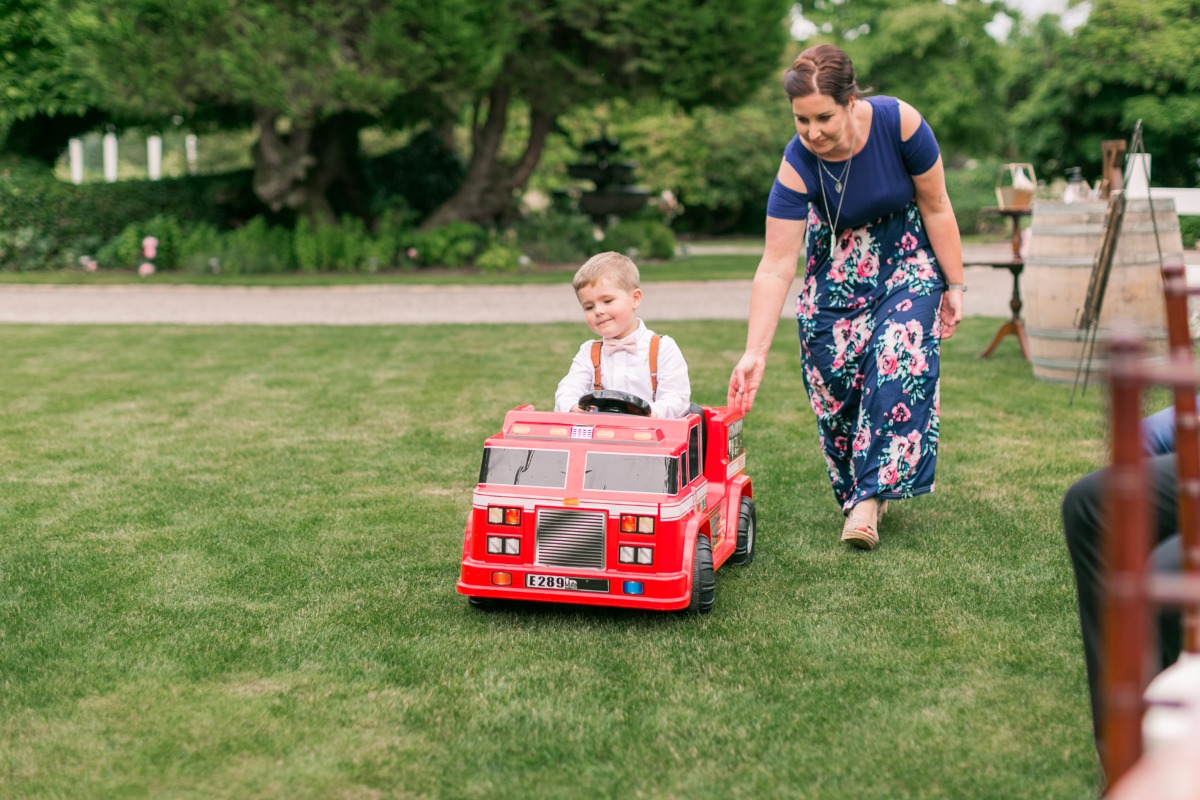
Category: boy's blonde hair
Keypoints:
(615, 266)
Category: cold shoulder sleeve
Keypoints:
(785, 203)
(920, 151)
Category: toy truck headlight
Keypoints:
(498, 515)
(504, 545)
(629, 554)
(632, 523)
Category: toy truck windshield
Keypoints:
(621, 472)
(519, 466)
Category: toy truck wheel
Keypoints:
(743, 554)
(704, 585)
(479, 602)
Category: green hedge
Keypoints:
(47, 223)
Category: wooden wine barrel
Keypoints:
(1065, 238)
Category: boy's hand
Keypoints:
(575, 409)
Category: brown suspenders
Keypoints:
(596, 386)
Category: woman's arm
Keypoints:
(772, 280)
(940, 224)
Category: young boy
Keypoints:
(608, 291)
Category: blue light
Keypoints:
(633, 587)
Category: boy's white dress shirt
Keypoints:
(630, 372)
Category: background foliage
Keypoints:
(484, 101)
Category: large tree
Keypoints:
(576, 52)
(308, 76)
(42, 104)
(1131, 60)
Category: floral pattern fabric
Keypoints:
(869, 349)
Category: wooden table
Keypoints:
(1013, 326)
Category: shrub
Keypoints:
(499, 257)
(27, 248)
(66, 220)
(1189, 228)
(200, 248)
(971, 188)
(556, 236)
(454, 244)
(126, 249)
(641, 238)
(256, 247)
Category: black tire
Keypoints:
(704, 585)
(480, 602)
(743, 554)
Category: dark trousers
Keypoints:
(1083, 517)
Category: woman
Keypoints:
(862, 183)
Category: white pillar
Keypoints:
(110, 157)
(154, 157)
(1137, 169)
(189, 149)
(75, 159)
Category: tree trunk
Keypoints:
(314, 169)
(487, 190)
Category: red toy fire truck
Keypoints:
(609, 507)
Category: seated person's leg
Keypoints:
(1168, 558)
(1083, 517)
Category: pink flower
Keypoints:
(901, 413)
(839, 444)
(918, 365)
(89, 264)
(888, 474)
(146, 269)
(913, 453)
(411, 252)
(862, 440)
(868, 267)
(149, 246)
(904, 305)
(888, 363)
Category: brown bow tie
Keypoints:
(615, 345)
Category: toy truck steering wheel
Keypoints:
(610, 401)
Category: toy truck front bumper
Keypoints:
(658, 591)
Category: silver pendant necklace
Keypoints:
(833, 219)
(837, 182)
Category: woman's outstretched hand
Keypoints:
(951, 311)
(744, 382)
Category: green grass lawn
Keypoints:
(227, 565)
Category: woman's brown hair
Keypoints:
(825, 69)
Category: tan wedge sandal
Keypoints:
(860, 529)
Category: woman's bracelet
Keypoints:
(962, 287)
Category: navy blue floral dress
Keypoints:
(868, 318)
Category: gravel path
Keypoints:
(395, 304)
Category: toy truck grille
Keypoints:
(570, 539)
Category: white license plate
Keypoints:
(564, 583)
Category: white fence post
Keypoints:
(154, 157)
(75, 158)
(110, 157)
